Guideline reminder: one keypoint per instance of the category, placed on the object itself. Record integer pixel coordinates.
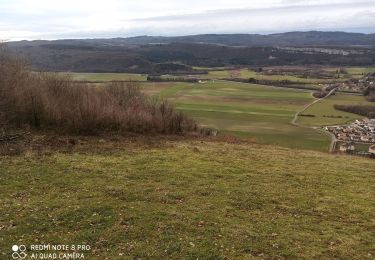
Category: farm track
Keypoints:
(294, 120)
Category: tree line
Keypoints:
(52, 101)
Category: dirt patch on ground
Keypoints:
(14, 143)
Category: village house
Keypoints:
(371, 149)
(359, 85)
(359, 131)
(347, 147)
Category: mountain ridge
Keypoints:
(294, 38)
(142, 54)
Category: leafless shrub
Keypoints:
(54, 101)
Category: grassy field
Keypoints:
(251, 111)
(154, 88)
(246, 110)
(191, 200)
(108, 77)
(358, 146)
(360, 70)
(326, 114)
(219, 73)
(246, 74)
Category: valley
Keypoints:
(262, 113)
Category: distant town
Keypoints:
(360, 131)
(358, 85)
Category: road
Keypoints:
(294, 120)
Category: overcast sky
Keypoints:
(49, 19)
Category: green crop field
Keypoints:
(246, 74)
(190, 200)
(360, 70)
(154, 88)
(246, 110)
(326, 114)
(108, 76)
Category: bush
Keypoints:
(370, 98)
(307, 115)
(53, 101)
(320, 94)
(368, 111)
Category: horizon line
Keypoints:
(187, 35)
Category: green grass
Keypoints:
(155, 88)
(191, 200)
(288, 137)
(326, 114)
(217, 74)
(108, 76)
(247, 110)
(208, 68)
(360, 70)
(246, 74)
(358, 146)
(220, 73)
(251, 111)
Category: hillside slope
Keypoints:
(308, 38)
(191, 199)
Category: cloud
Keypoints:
(34, 19)
(317, 16)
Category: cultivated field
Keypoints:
(325, 113)
(246, 74)
(190, 200)
(102, 77)
(247, 110)
(360, 71)
(260, 112)
(223, 73)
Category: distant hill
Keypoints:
(311, 38)
(143, 54)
